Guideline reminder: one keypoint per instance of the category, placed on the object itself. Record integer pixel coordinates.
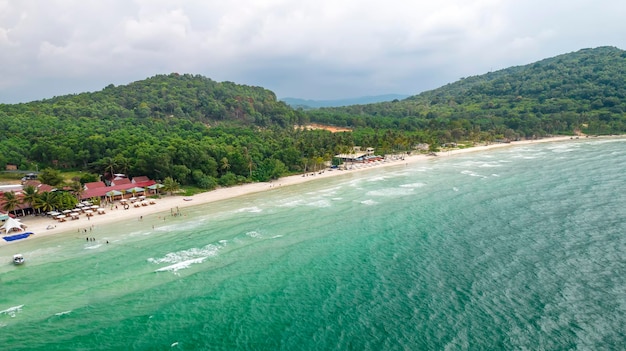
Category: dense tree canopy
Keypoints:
(582, 91)
(192, 130)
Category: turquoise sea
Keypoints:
(517, 248)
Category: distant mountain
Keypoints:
(311, 104)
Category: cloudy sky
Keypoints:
(313, 49)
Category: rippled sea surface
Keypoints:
(520, 248)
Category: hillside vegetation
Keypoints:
(582, 91)
(204, 133)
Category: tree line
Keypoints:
(199, 132)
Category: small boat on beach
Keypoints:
(18, 259)
(187, 199)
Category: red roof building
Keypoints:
(102, 191)
(94, 185)
(140, 179)
(121, 181)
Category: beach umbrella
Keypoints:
(94, 207)
(67, 211)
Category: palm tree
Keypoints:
(225, 165)
(110, 165)
(170, 185)
(11, 202)
(249, 159)
(65, 200)
(95, 200)
(30, 196)
(47, 201)
(123, 163)
(77, 189)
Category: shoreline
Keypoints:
(38, 224)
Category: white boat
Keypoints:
(18, 259)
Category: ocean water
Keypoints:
(521, 248)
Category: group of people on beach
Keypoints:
(94, 239)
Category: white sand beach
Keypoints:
(38, 224)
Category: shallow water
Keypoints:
(516, 248)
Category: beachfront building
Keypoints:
(358, 156)
(355, 156)
(94, 185)
(351, 158)
(140, 179)
(139, 185)
(120, 181)
(22, 208)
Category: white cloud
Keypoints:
(310, 49)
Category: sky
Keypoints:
(310, 49)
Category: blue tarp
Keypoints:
(17, 236)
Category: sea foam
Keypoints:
(253, 209)
(185, 258)
(319, 203)
(181, 265)
(413, 185)
(472, 174)
(12, 311)
(390, 192)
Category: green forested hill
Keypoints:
(201, 132)
(194, 98)
(584, 91)
(187, 127)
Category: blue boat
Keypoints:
(17, 236)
